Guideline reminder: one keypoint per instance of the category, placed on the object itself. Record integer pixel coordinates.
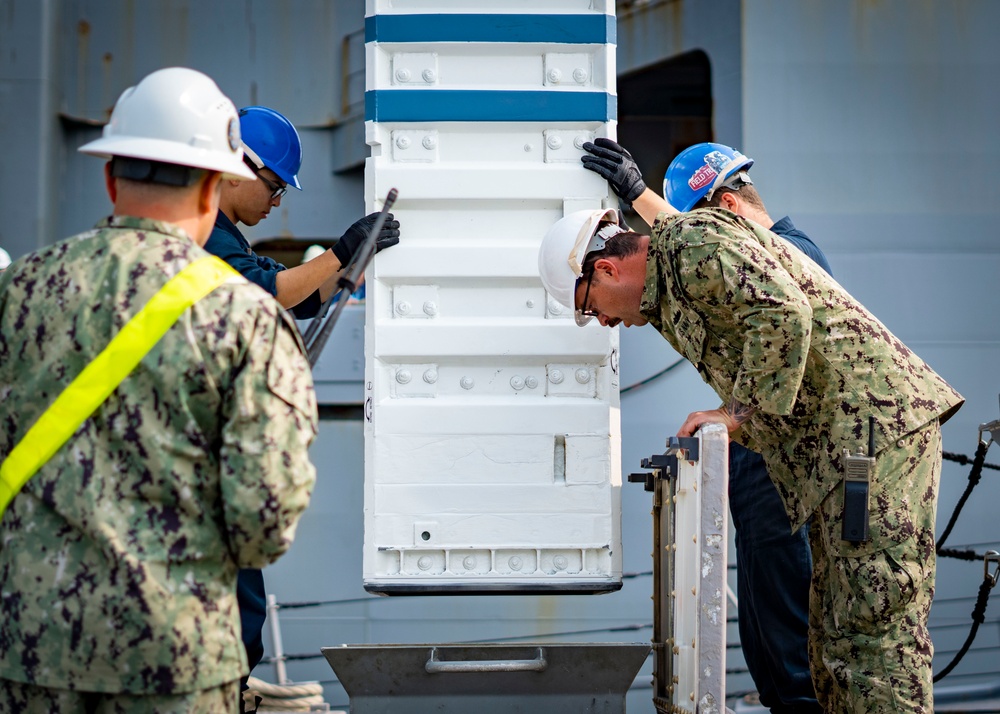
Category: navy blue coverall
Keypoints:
(774, 566)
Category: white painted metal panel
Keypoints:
(699, 622)
(690, 487)
(492, 433)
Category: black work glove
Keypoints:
(349, 243)
(617, 167)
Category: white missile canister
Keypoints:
(492, 439)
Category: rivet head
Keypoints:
(515, 563)
(579, 141)
(554, 142)
(469, 562)
(530, 382)
(580, 75)
(429, 76)
(403, 142)
(554, 75)
(424, 562)
(900, 443)
(429, 142)
(530, 303)
(403, 307)
(467, 382)
(517, 383)
(560, 562)
(403, 376)
(555, 307)
(402, 75)
(430, 308)
(431, 376)
(582, 375)
(556, 376)
(528, 148)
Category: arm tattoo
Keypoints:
(739, 412)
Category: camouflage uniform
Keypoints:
(118, 559)
(29, 699)
(769, 328)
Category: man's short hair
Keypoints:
(747, 192)
(620, 245)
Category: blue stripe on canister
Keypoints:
(596, 29)
(410, 105)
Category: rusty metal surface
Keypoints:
(281, 53)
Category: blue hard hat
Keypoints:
(698, 171)
(269, 139)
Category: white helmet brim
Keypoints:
(565, 248)
(169, 152)
(178, 116)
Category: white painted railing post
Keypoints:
(712, 539)
(279, 649)
(690, 500)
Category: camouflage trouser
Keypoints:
(31, 699)
(869, 648)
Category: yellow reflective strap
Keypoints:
(102, 376)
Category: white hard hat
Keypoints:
(175, 116)
(564, 251)
(4, 259)
(313, 251)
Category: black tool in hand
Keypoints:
(316, 337)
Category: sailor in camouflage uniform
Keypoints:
(118, 558)
(800, 366)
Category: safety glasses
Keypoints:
(277, 190)
(586, 312)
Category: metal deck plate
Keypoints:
(487, 678)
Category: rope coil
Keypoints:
(298, 697)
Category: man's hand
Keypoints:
(616, 166)
(349, 243)
(733, 416)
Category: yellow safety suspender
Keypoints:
(100, 378)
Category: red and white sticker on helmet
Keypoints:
(715, 162)
(702, 177)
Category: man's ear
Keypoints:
(208, 193)
(729, 201)
(110, 184)
(607, 268)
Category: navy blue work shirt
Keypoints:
(800, 240)
(228, 243)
